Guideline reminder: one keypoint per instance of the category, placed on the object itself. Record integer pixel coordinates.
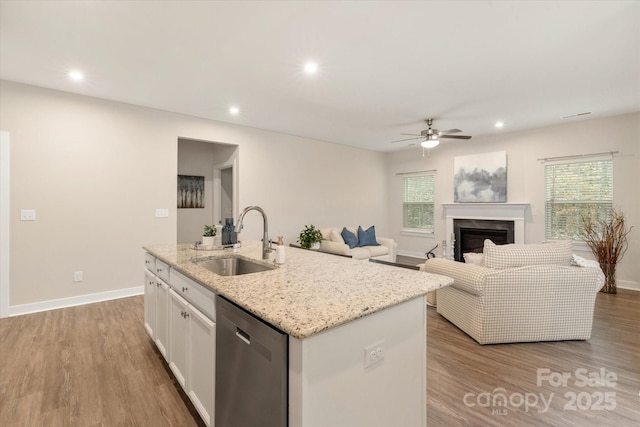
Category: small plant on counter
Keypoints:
(309, 236)
(209, 231)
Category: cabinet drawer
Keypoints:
(150, 262)
(162, 270)
(195, 293)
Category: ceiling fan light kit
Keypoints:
(430, 143)
(431, 137)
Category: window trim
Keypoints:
(418, 232)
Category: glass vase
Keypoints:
(609, 271)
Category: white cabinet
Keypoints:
(156, 308)
(162, 270)
(201, 366)
(178, 336)
(150, 303)
(197, 295)
(162, 318)
(192, 338)
(180, 318)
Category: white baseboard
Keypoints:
(18, 310)
(626, 284)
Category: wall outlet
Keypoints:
(162, 213)
(27, 215)
(77, 276)
(373, 354)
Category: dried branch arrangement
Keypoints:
(607, 239)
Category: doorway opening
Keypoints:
(217, 163)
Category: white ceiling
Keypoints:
(383, 66)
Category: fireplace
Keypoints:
(471, 233)
(507, 212)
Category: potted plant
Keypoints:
(310, 237)
(608, 242)
(208, 235)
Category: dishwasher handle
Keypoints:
(243, 335)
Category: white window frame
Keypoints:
(411, 231)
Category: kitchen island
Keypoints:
(336, 311)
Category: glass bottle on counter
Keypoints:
(229, 236)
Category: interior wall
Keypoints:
(198, 158)
(525, 177)
(96, 170)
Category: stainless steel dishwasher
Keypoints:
(251, 370)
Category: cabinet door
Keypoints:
(194, 293)
(162, 318)
(202, 364)
(149, 303)
(178, 338)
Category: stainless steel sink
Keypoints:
(232, 266)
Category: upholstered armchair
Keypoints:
(519, 293)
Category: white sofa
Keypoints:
(521, 293)
(332, 242)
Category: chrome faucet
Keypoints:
(266, 248)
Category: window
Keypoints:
(417, 202)
(574, 190)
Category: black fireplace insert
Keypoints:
(471, 233)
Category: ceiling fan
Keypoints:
(431, 137)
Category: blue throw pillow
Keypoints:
(349, 238)
(367, 237)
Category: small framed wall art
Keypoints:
(190, 191)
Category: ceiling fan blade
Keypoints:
(446, 132)
(414, 134)
(455, 136)
(408, 139)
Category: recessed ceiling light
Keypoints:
(499, 125)
(310, 68)
(76, 75)
(234, 110)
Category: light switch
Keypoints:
(162, 213)
(27, 215)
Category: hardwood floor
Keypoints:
(457, 365)
(94, 365)
(91, 365)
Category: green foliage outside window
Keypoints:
(418, 202)
(574, 191)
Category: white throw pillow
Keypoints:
(326, 233)
(583, 262)
(473, 258)
(336, 237)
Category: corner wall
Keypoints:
(525, 175)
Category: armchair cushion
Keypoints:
(516, 255)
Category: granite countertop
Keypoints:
(311, 292)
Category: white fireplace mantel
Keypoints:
(515, 212)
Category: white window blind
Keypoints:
(574, 190)
(417, 204)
